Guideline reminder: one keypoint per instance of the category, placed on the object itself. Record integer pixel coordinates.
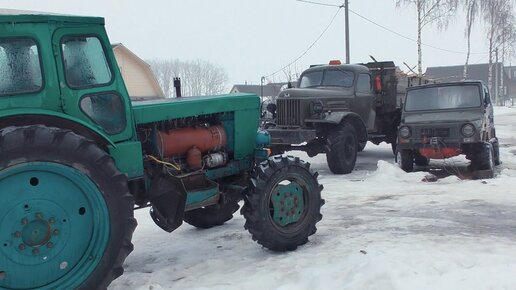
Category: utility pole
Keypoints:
(346, 9)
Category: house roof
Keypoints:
(147, 67)
(455, 73)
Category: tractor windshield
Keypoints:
(441, 98)
(328, 78)
(20, 70)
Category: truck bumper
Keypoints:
(291, 136)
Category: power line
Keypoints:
(411, 39)
(388, 29)
(321, 4)
(311, 45)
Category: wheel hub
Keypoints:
(288, 204)
(47, 227)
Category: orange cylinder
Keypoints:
(177, 142)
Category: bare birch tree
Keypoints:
(498, 15)
(198, 77)
(472, 11)
(437, 12)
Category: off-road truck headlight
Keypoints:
(467, 130)
(404, 132)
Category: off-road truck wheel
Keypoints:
(212, 216)
(421, 160)
(405, 160)
(496, 152)
(483, 163)
(361, 146)
(283, 203)
(341, 149)
(66, 216)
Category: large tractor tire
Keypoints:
(362, 146)
(211, 216)
(405, 160)
(341, 150)
(283, 203)
(66, 216)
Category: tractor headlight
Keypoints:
(468, 130)
(404, 132)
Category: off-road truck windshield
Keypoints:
(443, 97)
(327, 78)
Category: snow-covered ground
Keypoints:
(382, 229)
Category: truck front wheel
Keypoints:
(283, 203)
(405, 160)
(66, 217)
(341, 149)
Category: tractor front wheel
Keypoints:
(283, 203)
(66, 216)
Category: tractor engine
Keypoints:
(186, 145)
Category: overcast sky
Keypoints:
(251, 39)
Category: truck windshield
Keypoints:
(330, 78)
(440, 98)
(20, 70)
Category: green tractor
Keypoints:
(77, 157)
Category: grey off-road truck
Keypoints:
(445, 120)
(337, 108)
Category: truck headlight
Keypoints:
(404, 132)
(467, 130)
(317, 107)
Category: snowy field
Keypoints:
(382, 229)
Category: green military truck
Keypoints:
(337, 108)
(77, 157)
(444, 120)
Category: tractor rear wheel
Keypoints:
(283, 203)
(341, 150)
(66, 217)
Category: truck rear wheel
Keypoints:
(405, 160)
(283, 203)
(341, 150)
(211, 216)
(66, 217)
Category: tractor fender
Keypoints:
(336, 118)
(19, 117)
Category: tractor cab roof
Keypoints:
(24, 16)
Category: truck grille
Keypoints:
(289, 112)
(435, 132)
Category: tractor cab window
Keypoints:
(106, 110)
(85, 62)
(20, 70)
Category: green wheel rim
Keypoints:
(287, 203)
(54, 226)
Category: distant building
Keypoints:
(270, 90)
(479, 72)
(510, 72)
(137, 74)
